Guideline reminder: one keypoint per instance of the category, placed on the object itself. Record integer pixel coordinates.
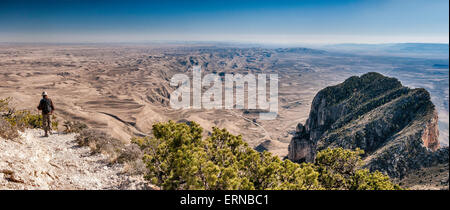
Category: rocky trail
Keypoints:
(57, 162)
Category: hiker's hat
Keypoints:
(44, 93)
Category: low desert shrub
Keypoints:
(7, 131)
(98, 141)
(74, 126)
(4, 104)
(129, 153)
(23, 119)
(131, 156)
(136, 167)
(11, 120)
(101, 142)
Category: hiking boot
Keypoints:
(46, 135)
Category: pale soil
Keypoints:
(57, 163)
(124, 90)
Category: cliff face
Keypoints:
(431, 134)
(396, 126)
(301, 149)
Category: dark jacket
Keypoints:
(42, 104)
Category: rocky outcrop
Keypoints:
(301, 149)
(396, 126)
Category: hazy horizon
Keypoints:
(259, 22)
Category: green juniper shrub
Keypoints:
(177, 157)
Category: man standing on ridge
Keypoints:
(46, 106)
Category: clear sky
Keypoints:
(278, 21)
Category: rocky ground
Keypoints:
(431, 178)
(57, 162)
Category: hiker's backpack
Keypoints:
(46, 105)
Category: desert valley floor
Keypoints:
(124, 89)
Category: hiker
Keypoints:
(46, 106)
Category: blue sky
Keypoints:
(279, 21)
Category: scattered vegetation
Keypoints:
(178, 158)
(18, 120)
(4, 104)
(98, 141)
(12, 121)
(7, 131)
(339, 169)
(101, 142)
(25, 119)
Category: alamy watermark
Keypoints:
(233, 87)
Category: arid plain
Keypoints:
(124, 89)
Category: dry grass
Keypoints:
(101, 142)
(74, 126)
(7, 131)
(98, 141)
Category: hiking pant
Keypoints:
(46, 122)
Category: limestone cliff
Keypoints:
(396, 126)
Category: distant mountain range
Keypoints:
(436, 50)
